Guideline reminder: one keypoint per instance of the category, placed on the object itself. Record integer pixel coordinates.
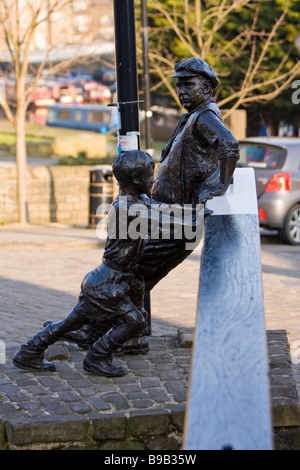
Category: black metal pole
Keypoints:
(127, 86)
(126, 72)
(147, 97)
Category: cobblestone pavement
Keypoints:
(41, 270)
(71, 409)
(281, 287)
(41, 273)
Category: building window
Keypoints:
(81, 23)
(79, 5)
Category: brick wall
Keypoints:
(55, 194)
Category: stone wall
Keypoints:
(55, 194)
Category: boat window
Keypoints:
(98, 116)
(63, 114)
(78, 116)
(51, 115)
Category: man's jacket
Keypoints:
(192, 155)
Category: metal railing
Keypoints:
(228, 404)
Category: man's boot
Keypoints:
(134, 346)
(98, 360)
(138, 344)
(30, 356)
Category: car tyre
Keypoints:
(290, 232)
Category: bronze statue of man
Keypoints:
(197, 164)
(201, 143)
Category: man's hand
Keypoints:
(208, 192)
(218, 182)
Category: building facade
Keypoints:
(55, 25)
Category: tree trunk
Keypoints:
(21, 164)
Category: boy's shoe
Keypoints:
(32, 360)
(101, 365)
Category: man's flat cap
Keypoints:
(195, 67)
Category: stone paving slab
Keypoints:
(48, 236)
(48, 409)
(40, 273)
(72, 409)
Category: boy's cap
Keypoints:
(196, 67)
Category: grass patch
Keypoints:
(43, 131)
(41, 134)
(81, 159)
(10, 139)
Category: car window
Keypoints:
(262, 156)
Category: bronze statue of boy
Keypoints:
(109, 291)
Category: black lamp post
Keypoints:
(126, 72)
(127, 86)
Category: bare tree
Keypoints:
(22, 24)
(197, 25)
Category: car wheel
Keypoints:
(290, 233)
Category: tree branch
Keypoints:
(281, 83)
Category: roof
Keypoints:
(278, 141)
(90, 107)
(68, 51)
